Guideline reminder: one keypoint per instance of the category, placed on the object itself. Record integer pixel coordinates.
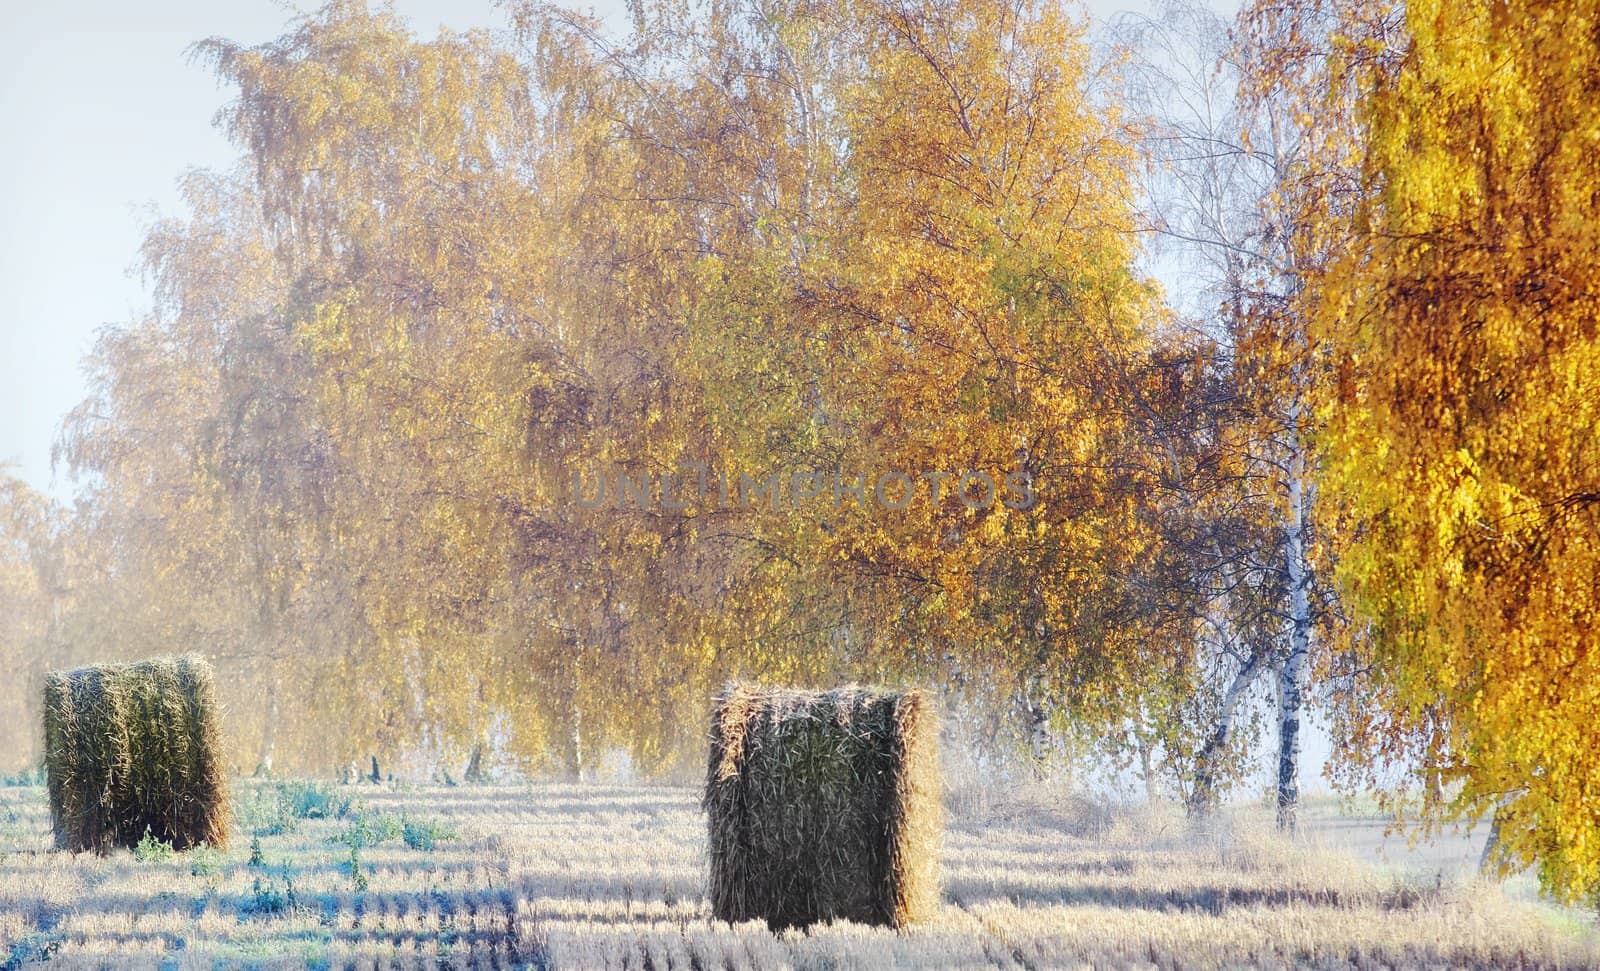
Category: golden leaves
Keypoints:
(1474, 327)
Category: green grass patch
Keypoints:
(270, 897)
(278, 808)
(150, 850)
(426, 833)
(370, 829)
(205, 861)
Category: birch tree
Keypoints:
(1231, 154)
(1466, 410)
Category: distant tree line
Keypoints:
(1346, 461)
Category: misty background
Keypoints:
(107, 111)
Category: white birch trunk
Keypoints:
(1292, 675)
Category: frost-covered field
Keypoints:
(607, 876)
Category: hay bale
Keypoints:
(823, 805)
(134, 746)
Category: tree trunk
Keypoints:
(1489, 862)
(575, 755)
(474, 773)
(1036, 729)
(269, 739)
(1435, 788)
(1292, 675)
(1208, 765)
(1147, 771)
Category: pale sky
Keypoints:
(102, 112)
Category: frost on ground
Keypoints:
(599, 876)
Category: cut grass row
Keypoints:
(612, 876)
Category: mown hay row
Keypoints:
(823, 805)
(131, 748)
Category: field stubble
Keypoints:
(599, 876)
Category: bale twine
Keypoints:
(131, 748)
(823, 805)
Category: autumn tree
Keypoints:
(31, 595)
(207, 476)
(514, 299)
(974, 315)
(422, 376)
(1464, 419)
(1238, 186)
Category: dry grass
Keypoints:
(823, 805)
(614, 877)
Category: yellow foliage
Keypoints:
(1463, 431)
